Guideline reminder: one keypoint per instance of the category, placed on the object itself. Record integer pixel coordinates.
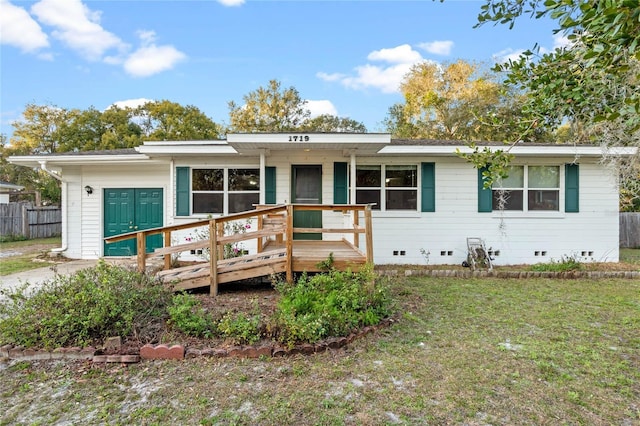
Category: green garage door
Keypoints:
(128, 210)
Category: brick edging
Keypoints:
(179, 352)
(458, 273)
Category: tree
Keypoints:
(165, 120)
(120, 128)
(269, 109)
(330, 123)
(455, 101)
(38, 132)
(593, 83)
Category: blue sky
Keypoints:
(345, 57)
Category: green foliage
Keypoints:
(330, 123)
(12, 238)
(240, 328)
(269, 109)
(82, 308)
(187, 315)
(565, 264)
(457, 101)
(328, 304)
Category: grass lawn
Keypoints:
(26, 250)
(504, 352)
(629, 255)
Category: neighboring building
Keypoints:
(562, 201)
(6, 189)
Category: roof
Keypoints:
(8, 187)
(356, 143)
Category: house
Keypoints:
(560, 200)
(6, 189)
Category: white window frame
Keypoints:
(225, 188)
(525, 212)
(383, 188)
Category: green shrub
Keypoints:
(240, 328)
(328, 304)
(82, 308)
(187, 315)
(565, 264)
(12, 238)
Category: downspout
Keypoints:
(64, 195)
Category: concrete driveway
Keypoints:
(47, 272)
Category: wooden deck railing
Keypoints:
(274, 223)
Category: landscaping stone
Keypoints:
(113, 343)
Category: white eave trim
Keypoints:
(59, 160)
(174, 149)
(551, 150)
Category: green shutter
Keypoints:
(340, 183)
(270, 185)
(428, 187)
(571, 188)
(485, 196)
(183, 175)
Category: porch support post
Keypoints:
(368, 233)
(213, 258)
(263, 183)
(289, 243)
(142, 251)
(167, 243)
(352, 180)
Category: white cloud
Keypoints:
(130, 103)
(321, 107)
(397, 55)
(560, 41)
(385, 77)
(438, 47)
(330, 77)
(77, 26)
(151, 59)
(231, 2)
(506, 55)
(19, 29)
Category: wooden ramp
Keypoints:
(277, 251)
(229, 270)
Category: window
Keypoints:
(392, 187)
(223, 191)
(528, 188)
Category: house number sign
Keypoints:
(299, 138)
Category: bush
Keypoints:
(83, 308)
(329, 304)
(187, 315)
(565, 264)
(239, 328)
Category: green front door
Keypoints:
(128, 210)
(306, 188)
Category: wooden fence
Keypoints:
(630, 230)
(23, 219)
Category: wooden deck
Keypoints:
(277, 251)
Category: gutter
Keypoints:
(64, 189)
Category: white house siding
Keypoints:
(440, 237)
(72, 210)
(398, 237)
(108, 176)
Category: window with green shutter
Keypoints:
(571, 188)
(340, 183)
(485, 196)
(270, 185)
(182, 191)
(428, 186)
